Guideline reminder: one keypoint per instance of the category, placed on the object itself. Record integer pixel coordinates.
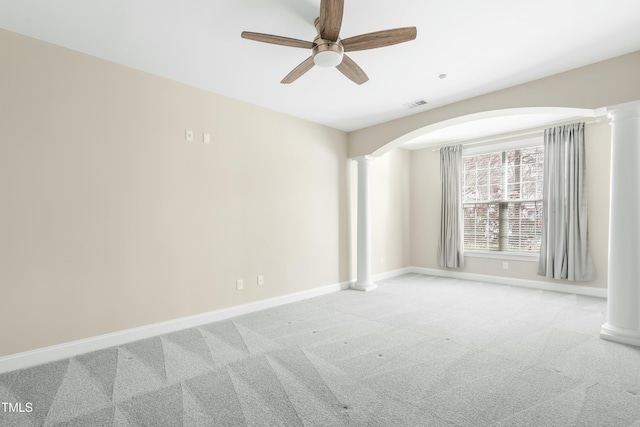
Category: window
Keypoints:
(502, 200)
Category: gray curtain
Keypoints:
(564, 253)
(451, 245)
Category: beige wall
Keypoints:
(425, 213)
(110, 220)
(390, 201)
(603, 84)
(598, 85)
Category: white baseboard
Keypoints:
(392, 273)
(62, 351)
(39, 356)
(534, 284)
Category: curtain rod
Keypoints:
(506, 137)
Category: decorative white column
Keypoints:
(623, 304)
(363, 282)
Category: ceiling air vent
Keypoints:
(414, 104)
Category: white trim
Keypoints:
(61, 351)
(511, 256)
(392, 273)
(523, 283)
(39, 356)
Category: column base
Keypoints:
(620, 335)
(367, 286)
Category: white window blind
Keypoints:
(502, 200)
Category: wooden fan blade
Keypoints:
(304, 66)
(352, 70)
(330, 19)
(379, 39)
(279, 40)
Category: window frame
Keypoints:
(519, 143)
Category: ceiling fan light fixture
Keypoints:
(328, 54)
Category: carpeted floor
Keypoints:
(418, 351)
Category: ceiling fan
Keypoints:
(327, 49)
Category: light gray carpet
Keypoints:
(418, 351)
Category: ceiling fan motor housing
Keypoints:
(327, 53)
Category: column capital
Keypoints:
(363, 159)
(622, 111)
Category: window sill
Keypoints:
(512, 256)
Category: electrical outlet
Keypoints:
(505, 265)
(239, 284)
(206, 138)
(260, 280)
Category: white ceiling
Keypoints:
(482, 46)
